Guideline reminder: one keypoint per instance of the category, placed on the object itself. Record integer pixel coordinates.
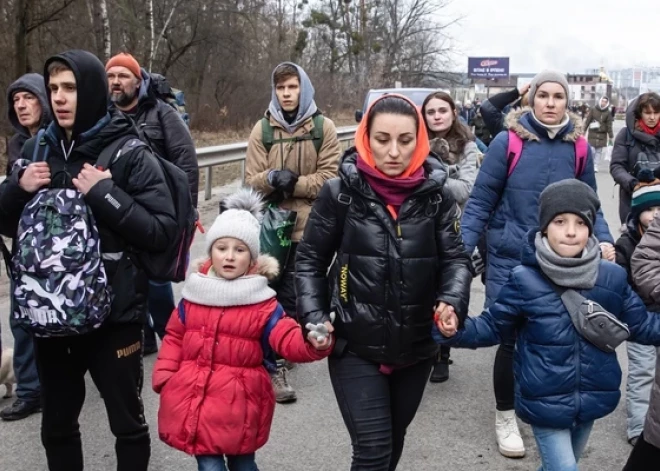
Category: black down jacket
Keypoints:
(388, 275)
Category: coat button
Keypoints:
(372, 204)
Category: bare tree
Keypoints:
(107, 34)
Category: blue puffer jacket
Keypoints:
(560, 377)
(508, 207)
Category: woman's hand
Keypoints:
(446, 319)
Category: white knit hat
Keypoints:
(241, 220)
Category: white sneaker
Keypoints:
(509, 441)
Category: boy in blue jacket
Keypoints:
(563, 382)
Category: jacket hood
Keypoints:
(631, 122)
(266, 266)
(306, 106)
(434, 169)
(92, 89)
(33, 83)
(421, 151)
(523, 124)
(607, 104)
(632, 226)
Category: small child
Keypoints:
(641, 358)
(216, 397)
(563, 382)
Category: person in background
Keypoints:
(495, 108)
(598, 124)
(29, 111)
(453, 143)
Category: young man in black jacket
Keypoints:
(162, 128)
(134, 210)
(28, 111)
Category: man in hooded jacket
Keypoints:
(28, 111)
(133, 208)
(598, 124)
(162, 128)
(291, 173)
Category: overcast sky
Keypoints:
(568, 35)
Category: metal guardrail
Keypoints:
(209, 157)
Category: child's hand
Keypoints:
(319, 335)
(446, 319)
(608, 252)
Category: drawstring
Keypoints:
(67, 154)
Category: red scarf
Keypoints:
(648, 130)
(393, 191)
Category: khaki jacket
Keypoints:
(299, 157)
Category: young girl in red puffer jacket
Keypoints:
(216, 396)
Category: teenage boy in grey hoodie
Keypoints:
(288, 160)
(28, 111)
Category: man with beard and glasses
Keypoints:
(162, 128)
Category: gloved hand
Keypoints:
(656, 172)
(284, 180)
(320, 335)
(477, 263)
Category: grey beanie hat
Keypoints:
(544, 77)
(568, 196)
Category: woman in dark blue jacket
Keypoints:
(506, 208)
(563, 382)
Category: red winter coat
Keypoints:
(216, 396)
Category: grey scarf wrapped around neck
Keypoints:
(573, 273)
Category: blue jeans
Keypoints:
(160, 303)
(641, 373)
(560, 449)
(28, 388)
(234, 463)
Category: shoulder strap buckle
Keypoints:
(344, 199)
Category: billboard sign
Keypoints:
(488, 67)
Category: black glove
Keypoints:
(656, 172)
(477, 266)
(646, 175)
(284, 180)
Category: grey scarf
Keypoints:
(573, 273)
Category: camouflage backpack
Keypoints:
(60, 284)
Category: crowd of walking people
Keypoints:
(377, 249)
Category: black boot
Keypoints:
(20, 409)
(440, 372)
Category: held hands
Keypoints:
(88, 177)
(320, 335)
(446, 319)
(607, 251)
(35, 176)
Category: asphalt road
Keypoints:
(453, 430)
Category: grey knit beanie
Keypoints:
(568, 196)
(545, 77)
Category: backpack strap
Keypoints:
(269, 355)
(7, 257)
(317, 132)
(513, 152)
(581, 154)
(40, 150)
(111, 153)
(267, 134)
(182, 312)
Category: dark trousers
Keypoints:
(377, 408)
(625, 198)
(285, 287)
(160, 302)
(644, 457)
(113, 356)
(503, 375)
(28, 388)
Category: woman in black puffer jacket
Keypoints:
(400, 256)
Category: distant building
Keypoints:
(588, 88)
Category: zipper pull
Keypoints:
(590, 307)
(398, 231)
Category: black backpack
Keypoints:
(170, 95)
(172, 263)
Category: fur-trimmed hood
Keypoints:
(203, 287)
(266, 266)
(515, 122)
